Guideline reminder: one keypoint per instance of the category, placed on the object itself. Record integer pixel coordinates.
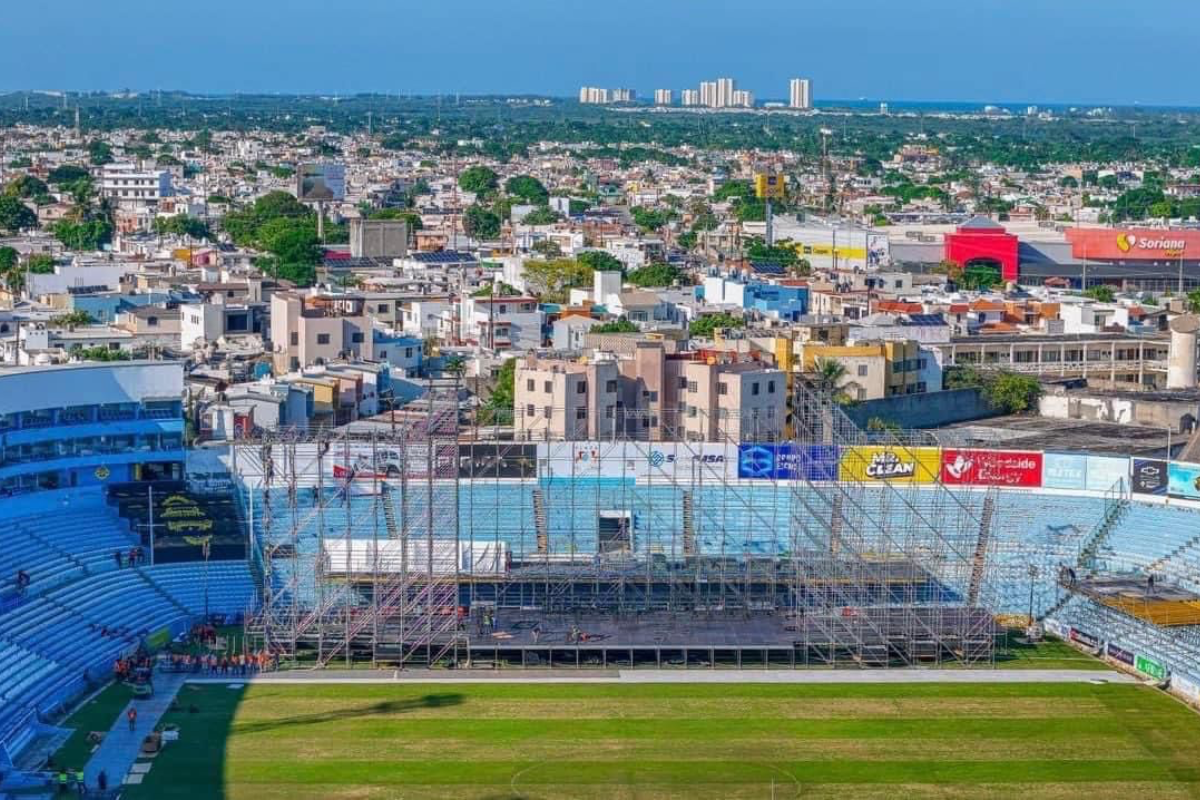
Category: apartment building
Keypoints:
(727, 397)
(800, 94)
(501, 323)
(129, 186)
(561, 398)
(313, 329)
(876, 369)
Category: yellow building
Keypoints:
(873, 369)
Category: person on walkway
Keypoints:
(80, 783)
(117, 557)
(102, 781)
(131, 715)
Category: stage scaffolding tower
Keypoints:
(389, 540)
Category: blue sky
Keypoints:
(1085, 51)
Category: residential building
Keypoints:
(559, 398)
(729, 397)
(663, 97)
(313, 329)
(129, 186)
(800, 94)
(501, 323)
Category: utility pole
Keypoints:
(151, 525)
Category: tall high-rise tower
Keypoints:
(800, 93)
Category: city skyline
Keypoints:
(866, 50)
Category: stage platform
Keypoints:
(882, 637)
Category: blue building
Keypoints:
(90, 424)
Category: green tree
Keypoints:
(290, 240)
(1193, 301)
(15, 215)
(72, 319)
(99, 353)
(478, 180)
(704, 327)
(782, 253)
(731, 189)
(541, 216)
(504, 394)
(655, 275)
(40, 264)
(546, 247)
(1011, 392)
(616, 326)
(481, 222)
(1101, 293)
(182, 225)
(980, 276)
(67, 173)
(650, 219)
(528, 188)
(9, 259)
(28, 187)
(600, 261)
(90, 234)
(553, 278)
(99, 153)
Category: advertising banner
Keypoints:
(1149, 476)
(321, 182)
(892, 464)
(1133, 244)
(1120, 654)
(683, 462)
(1013, 468)
(1150, 667)
(584, 460)
(1063, 471)
(1056, 628)
(787, 462)
(1184, 481)
(482, 460)
(1104, 471)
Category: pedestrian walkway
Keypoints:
(121, 746)
(686, 676)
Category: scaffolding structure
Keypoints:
(407, 541)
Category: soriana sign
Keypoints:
(1133, 244)
(1016, 468)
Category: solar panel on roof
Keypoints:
(767, 268)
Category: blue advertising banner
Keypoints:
(787, 462)
(1184, 481)
(1104, 471)
(1062, 471)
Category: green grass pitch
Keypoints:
(507, 740)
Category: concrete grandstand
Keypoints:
(416, 547)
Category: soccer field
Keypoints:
(678, 741)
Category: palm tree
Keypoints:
(829, 373)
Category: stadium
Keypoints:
(363, 560)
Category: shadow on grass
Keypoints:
(378, 709)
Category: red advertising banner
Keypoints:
(1016, 468)
(1133, 244)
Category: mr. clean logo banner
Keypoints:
(992, 468)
